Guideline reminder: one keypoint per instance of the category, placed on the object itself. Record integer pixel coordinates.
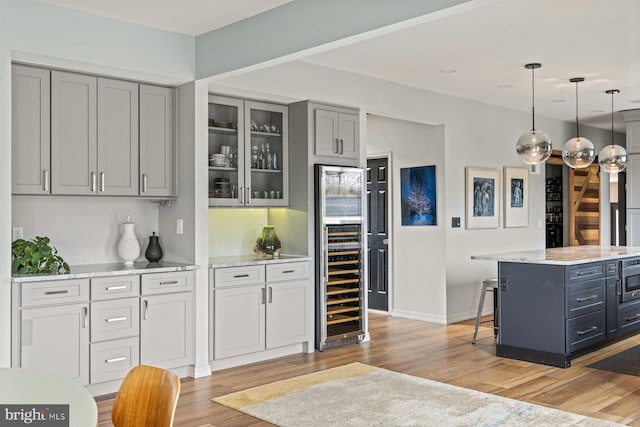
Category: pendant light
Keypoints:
(534, 146)
(612, 158)
(578, 152)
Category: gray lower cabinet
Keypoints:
(30, 130)
(548, 312)
(167, 320)
(157, 141)
(258, 308)
(95, 330)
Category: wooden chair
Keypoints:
(147, 398)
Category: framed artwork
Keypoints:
(516, 197)
(418, 195)
(482, 193)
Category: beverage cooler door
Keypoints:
(340, 193)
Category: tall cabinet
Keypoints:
(632, 119)
(248, 153)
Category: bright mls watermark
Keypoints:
(34, 415)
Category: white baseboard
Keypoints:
(419, 316)
(200, 371)
(459, 317)
(232, 362)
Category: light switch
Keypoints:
(179, 226)
(18, 233)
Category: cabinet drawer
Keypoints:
(582, 272)
(629, 316)
(287, 271)
(585, 297)
(115, 287)
(54, 292)
(585, 330)
(115, 319)
(112, 360)
(160, 283)
(234, 276)
(611, 268)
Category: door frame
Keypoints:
(390, 190)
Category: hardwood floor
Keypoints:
(439, 352)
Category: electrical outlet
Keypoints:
(179, 226)
(18, 233)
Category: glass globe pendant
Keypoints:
(578, 152)
(534, 146)
(612, 158)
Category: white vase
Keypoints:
(128, 247)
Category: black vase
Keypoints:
(154, 251)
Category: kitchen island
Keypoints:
(556, 303)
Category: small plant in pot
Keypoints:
(36, 256)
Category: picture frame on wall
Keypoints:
(418, 195)
(516, 197)
(482, 197)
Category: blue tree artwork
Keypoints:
(418, 195)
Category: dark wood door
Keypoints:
(378, 233)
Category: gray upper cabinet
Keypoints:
(74, 141)
(336, 134)
(30, 130)
(117, 138)
(157, 141)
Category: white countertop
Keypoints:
(109, 269)
(563, 256)
(240, 260)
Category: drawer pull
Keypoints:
(172, 282)
(117, 319)
(632, 318)
(116, 288)
(586, 273)
(589, 298)
(240, 276)
(115, 359)
(56, 292)
(288, 271)
(587, 331)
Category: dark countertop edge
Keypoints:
(108, 269)
(239, 261)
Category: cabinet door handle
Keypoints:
(337, 149)
(263, 296)
(85, 313)
(341, 146)
(239, 276)
(144, 182)
(587, 331)
(145, 303)
(171, 282)
(116, 319)
(102, 182)
(632, 318)
(270, 294)
(45, 181)
(618, 287)
(65, 291)
(589, 298)
(241, 195)
(93, 182)
(115, 288)
(248, 195)
(115, 359)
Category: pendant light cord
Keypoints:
(533, 102)
(612, 137)
(577, 132)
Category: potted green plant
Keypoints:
(36, 256)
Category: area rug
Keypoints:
(363, 395)
(625, 362)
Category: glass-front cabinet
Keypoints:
(248, 153)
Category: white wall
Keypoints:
(40, 33)
(475, 134)
(419, 261)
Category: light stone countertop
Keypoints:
(241, 260)
(110, 269)
(564, 256)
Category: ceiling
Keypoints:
(476, 54)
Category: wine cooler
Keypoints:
(340, 303)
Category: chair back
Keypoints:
(147, 398)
